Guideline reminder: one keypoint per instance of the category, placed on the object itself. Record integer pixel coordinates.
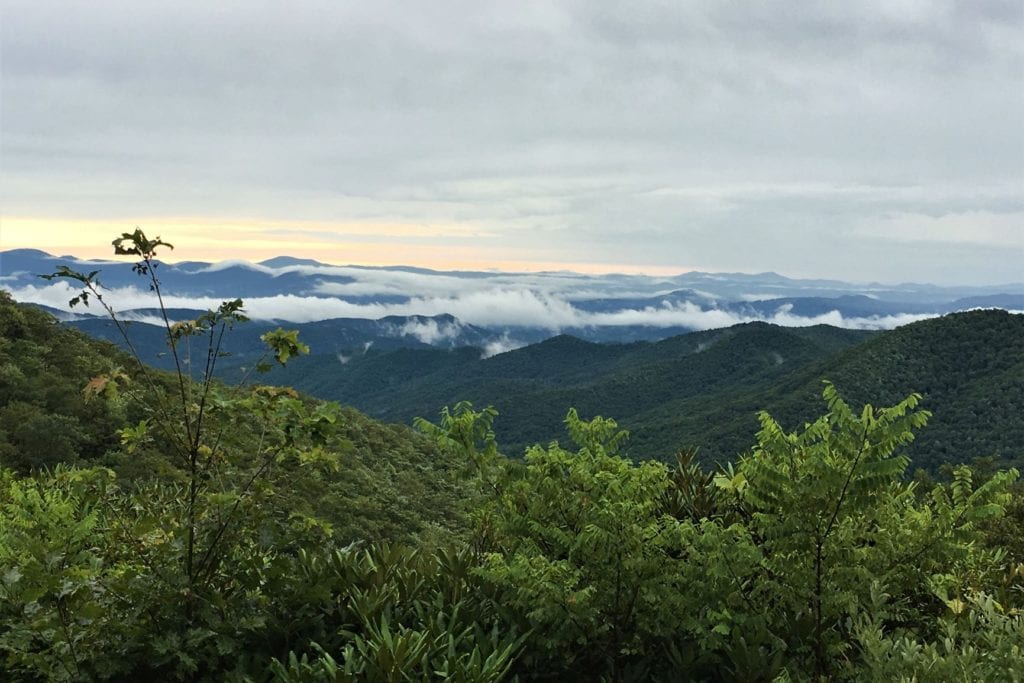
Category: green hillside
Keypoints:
(388, 482)
(969, 368)
(44, 417)
(704, 389)
(533, 387)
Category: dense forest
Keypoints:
(167, 526)
(704, 389)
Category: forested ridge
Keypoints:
(168, 526)
(398, 479)
(704, 389)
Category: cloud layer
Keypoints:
(447, 308)
(496, 308)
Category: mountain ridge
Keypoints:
(495, 311)
(704, 389)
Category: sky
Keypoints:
(863, 141)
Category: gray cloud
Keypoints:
(496, 306)
(810, 138)
(503, 344)
(428, 331)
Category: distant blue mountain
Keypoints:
(347, 307)
(849, 305)
(285, 261)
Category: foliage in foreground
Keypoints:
(812, 557)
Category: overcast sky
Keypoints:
(858, 140)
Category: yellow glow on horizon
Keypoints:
(368, 243)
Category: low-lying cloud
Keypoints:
(497, 307)
(501, 345)
(428, 331)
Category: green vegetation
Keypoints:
(704, 389)
(44, 417)
(534, 386)
(969, 368)
(253, 534)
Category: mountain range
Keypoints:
(347, 309)
(704, 389)
(682, 361)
